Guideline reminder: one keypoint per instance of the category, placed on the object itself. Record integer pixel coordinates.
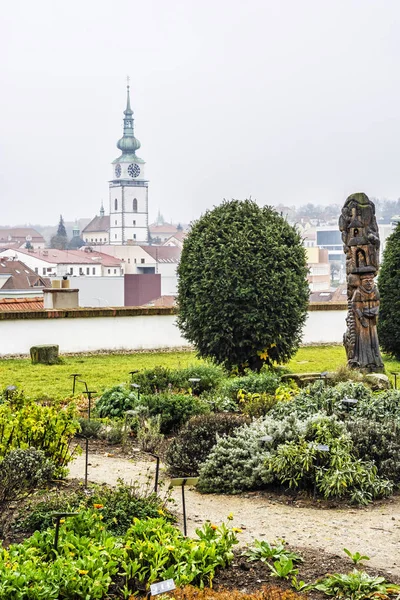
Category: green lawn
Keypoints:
(99, 371)
(102, 371)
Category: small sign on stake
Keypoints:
(181, 482)
(163, 586)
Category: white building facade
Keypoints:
(128, 189)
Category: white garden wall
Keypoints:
(126, 329)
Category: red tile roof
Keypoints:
(7, 304)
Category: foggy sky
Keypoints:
(288, 101)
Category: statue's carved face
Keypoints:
(368, 283)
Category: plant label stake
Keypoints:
(86, 461)
(157, 470)
(395, 373)
(265, 439)
(10, 389)
(159, 588)
(181, 482)
(58, 516)
(74, 375)
(194, 380)
(136, 386)
(349, 402)
(320, 448)
(89, 395)
(84, 383)
(132, 373)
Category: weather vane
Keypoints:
(127, 80)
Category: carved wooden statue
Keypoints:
(360, 237)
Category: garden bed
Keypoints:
(250, 576)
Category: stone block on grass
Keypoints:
(46, 354)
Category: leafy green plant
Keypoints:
(175, 409)
(25, 424)
(21, 472)
(118, 506)
(162, 379)
(252, 383)
(283, 567)
(299, 585)
(89, 428)
(195, 440)
(114, 431)
(356, 585)
(148, 433)
(335, 473)
(256, 405)
(264, 551)
(378, 442)
(356, 557)
(116, 401)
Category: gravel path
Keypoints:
(374, 530)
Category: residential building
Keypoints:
(69, 263)
(20, 237)
(128, 189)
(15, 275)
(319, 269)
(149, 260)
(160, 233)
(176, 239)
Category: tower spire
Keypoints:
(102, 209)
(128, 143)
(128, 110)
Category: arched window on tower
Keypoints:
(134, 205)
(115, 204)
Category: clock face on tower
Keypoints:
(118, 171)
(133, 170)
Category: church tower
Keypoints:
(128, 189)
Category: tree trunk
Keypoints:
(46, 355)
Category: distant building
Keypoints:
(161, 233)
(330, 238)
(15, 275)
(61, 263)
(149, 260)
(176, 239)
(319, 269)
(98, 230)
(20, 237)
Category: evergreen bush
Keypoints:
(243, 292)
(389, 289)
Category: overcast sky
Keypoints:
(288, 101)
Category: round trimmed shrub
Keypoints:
(243, 292)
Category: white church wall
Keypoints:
(134, 332)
